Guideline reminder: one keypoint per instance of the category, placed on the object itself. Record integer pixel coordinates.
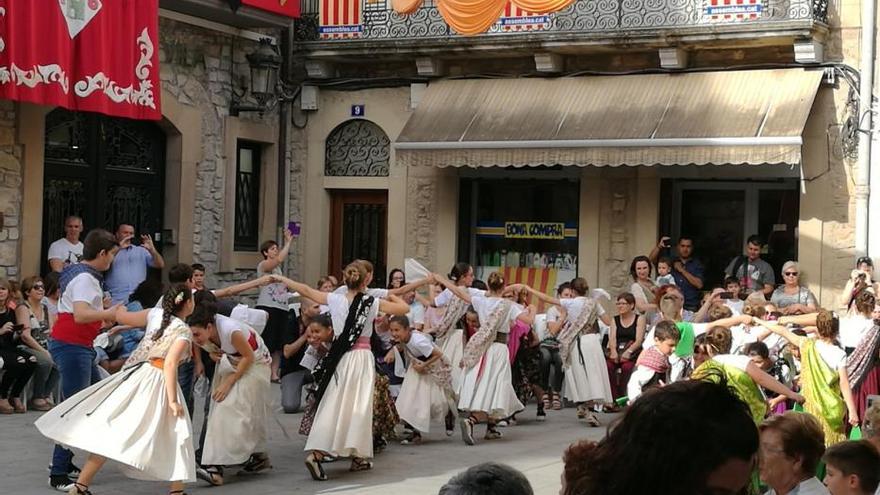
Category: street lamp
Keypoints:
(266, 86)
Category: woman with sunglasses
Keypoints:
(36, 321)
(791, 297)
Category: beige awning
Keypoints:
(732, 117)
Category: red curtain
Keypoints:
(95, 55)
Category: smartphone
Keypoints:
(294, 228)
(726, 295)
(17, 328)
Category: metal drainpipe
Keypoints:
(283, 116)
(866, 86)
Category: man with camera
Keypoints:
(131, 263)
(861, 278)
(686, 269)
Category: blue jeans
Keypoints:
(186, 380)
(76, 364)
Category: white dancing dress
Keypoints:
(126, 417)
(586, 374)
(424, 396)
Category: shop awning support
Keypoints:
(603, 143)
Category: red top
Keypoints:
(70, 332)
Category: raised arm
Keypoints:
(137, 319)
(732, 321)
(403, 289)
(269, 264)
(459, 292)
(800, 320)
(83, 313)
(540, 295)
(393, 305)
(303, 289)
(527, 316)
(766, 381)
(782, 331)
(654, 255)
(236, 289)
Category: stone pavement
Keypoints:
(532, 447)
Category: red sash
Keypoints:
(70, 332)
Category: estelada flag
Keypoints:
(95, 55)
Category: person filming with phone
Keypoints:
(130, 265)
(687, 270)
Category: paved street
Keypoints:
(534, 448)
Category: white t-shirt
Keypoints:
(63, 250)
(444, 297)
(227, 326)
(853, 328)
(416, 315)
(485, 305)
(83, 288)
(699, 329)
(742, 336)
(738, 361)
(575, 306)
(342, 290)
(834, 356)
(338, 306)
(735, 305)
(811, 486)
(420, 345)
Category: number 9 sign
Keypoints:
(358, 110)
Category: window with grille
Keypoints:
(247, 196)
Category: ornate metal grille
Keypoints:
(66, 136)
(130, 204)
(247, 197)
(357, 148)
(128, 146)
(363, 236)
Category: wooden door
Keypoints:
(358, 230)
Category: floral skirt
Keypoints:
(384, 413)
(526, 372)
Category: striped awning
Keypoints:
(750, 117)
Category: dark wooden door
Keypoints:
(358, 230)
(106, 170)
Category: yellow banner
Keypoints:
(534, 230)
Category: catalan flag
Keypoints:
(341, 19)
(541, 279)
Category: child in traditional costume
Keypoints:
(652, 366)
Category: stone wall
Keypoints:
(10, 191)
(200, 68)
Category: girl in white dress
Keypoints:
(448, 334)
(486, 388)
(427, 391)
(586, 375)
(240, 399)
(135, 417)
(343, 423)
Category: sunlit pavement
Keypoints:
(532, 447)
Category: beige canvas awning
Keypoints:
(733, 117)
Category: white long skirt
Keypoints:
(421, 399)
(343, 424)
(587, 381)
(490, 390)
(237, 425)
(453, 348)
(126, 418)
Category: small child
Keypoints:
(652, 366)
(319, 335)
(664, 273)
(427, 385)
(733, 289)
(852, 468)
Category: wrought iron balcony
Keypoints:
(599, 18)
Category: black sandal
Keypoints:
(360, 464)
(211, 474)
(81, 489)
(177, 492)
(313, 464)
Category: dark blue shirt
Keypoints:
(691, 293)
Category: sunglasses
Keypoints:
(790, 274)
(38, 287)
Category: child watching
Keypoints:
(427, 385)
(733, 289)
(652, 367)
(664, 272)
(852, 468)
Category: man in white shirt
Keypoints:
(67, 250)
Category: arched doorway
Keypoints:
(106, 170)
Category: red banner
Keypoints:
(287, 8)
(95, 55)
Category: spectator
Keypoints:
(416, 315)
(754, 274)
(36, 321)
(18, 365)
(551, 361)
(490, 478)
(624, 343)
(68, 249)
(130, 265)
(327, 283)
(791, 297)
(791, 446)
(643, 288)
(396, 279)
(273, 299)
(732, 295)
(293, 374)
(687, 270)
(872, 424)
(711, 452)
(52, 293)
(861, 278)
(198, 276)
(852, 468)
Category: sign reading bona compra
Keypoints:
(534, 230)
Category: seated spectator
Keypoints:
(489, 478)
(18, 365)
(198, 276)
(327, 283)
(732, 295)
(293, 374)
(791, 297)
(713, 454)
(396, 278)
(36, 321)
(852, 468)
(791, 446)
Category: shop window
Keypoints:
(525, 228)
(357, 148)
(247, 196)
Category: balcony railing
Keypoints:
(599, 17)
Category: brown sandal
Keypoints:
(360, 464)
(313, 464)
